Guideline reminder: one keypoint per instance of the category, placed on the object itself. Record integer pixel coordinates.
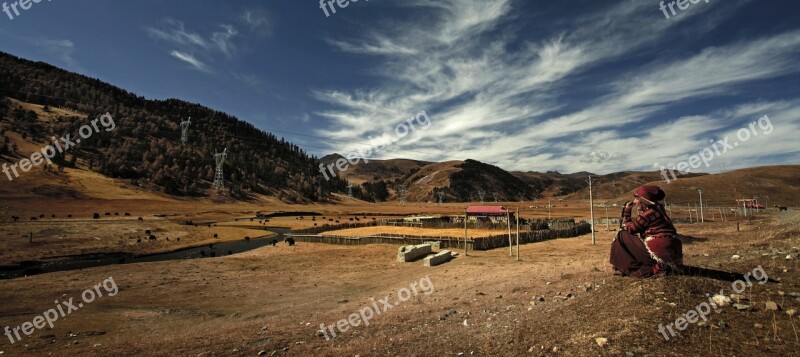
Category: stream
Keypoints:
(103, 259)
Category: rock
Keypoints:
(263, 352)
(447, 314)
(742, 307)
(772, 306)
(530, 350)
(601, 341)
(540, 298)
(758, 325)
(722, 325)
(555, 349)
(721, 300)
(630, 354)
(465, 323)
(794, 294)
(791, 312)
(789, 257)
(548, 283)
(738, 298)
(736, 257)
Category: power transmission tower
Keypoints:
(219, 178)
(481, 194)
(591, 181)
(185, 130)
(402, 192)
(350, 190)
(441, 196)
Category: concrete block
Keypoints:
(412, 252)
(440, 258)
(436, 245)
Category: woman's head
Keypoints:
(649, 195)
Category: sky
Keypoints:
(527, 85)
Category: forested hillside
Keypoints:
(145, 147)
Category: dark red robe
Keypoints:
(658, 253)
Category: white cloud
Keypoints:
(258, 21)
(194, 62)
(189, 46)
(515, 108)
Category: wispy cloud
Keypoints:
(174, 32)
(505, 97)
(189, 46)
(193, 62)
(258, 21)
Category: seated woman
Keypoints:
(657, 251)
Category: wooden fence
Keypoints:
(483, 243)
(498, 241)
(537, 224)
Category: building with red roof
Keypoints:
(489, 213)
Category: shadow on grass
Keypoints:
(687, 239)
(717, 274)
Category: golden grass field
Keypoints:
(272, 300)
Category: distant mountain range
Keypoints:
(463, 181)
(144, 151)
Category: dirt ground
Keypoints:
(274, 300)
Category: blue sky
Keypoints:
(573, 85)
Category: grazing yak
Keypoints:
(289, 241)
(781, 208)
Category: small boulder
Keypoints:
(772, 306)
(721, 300)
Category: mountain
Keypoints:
(458, 181)
(144, 148)
(463, 181)
(769, 184)
(144, 151)
(378, 170)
